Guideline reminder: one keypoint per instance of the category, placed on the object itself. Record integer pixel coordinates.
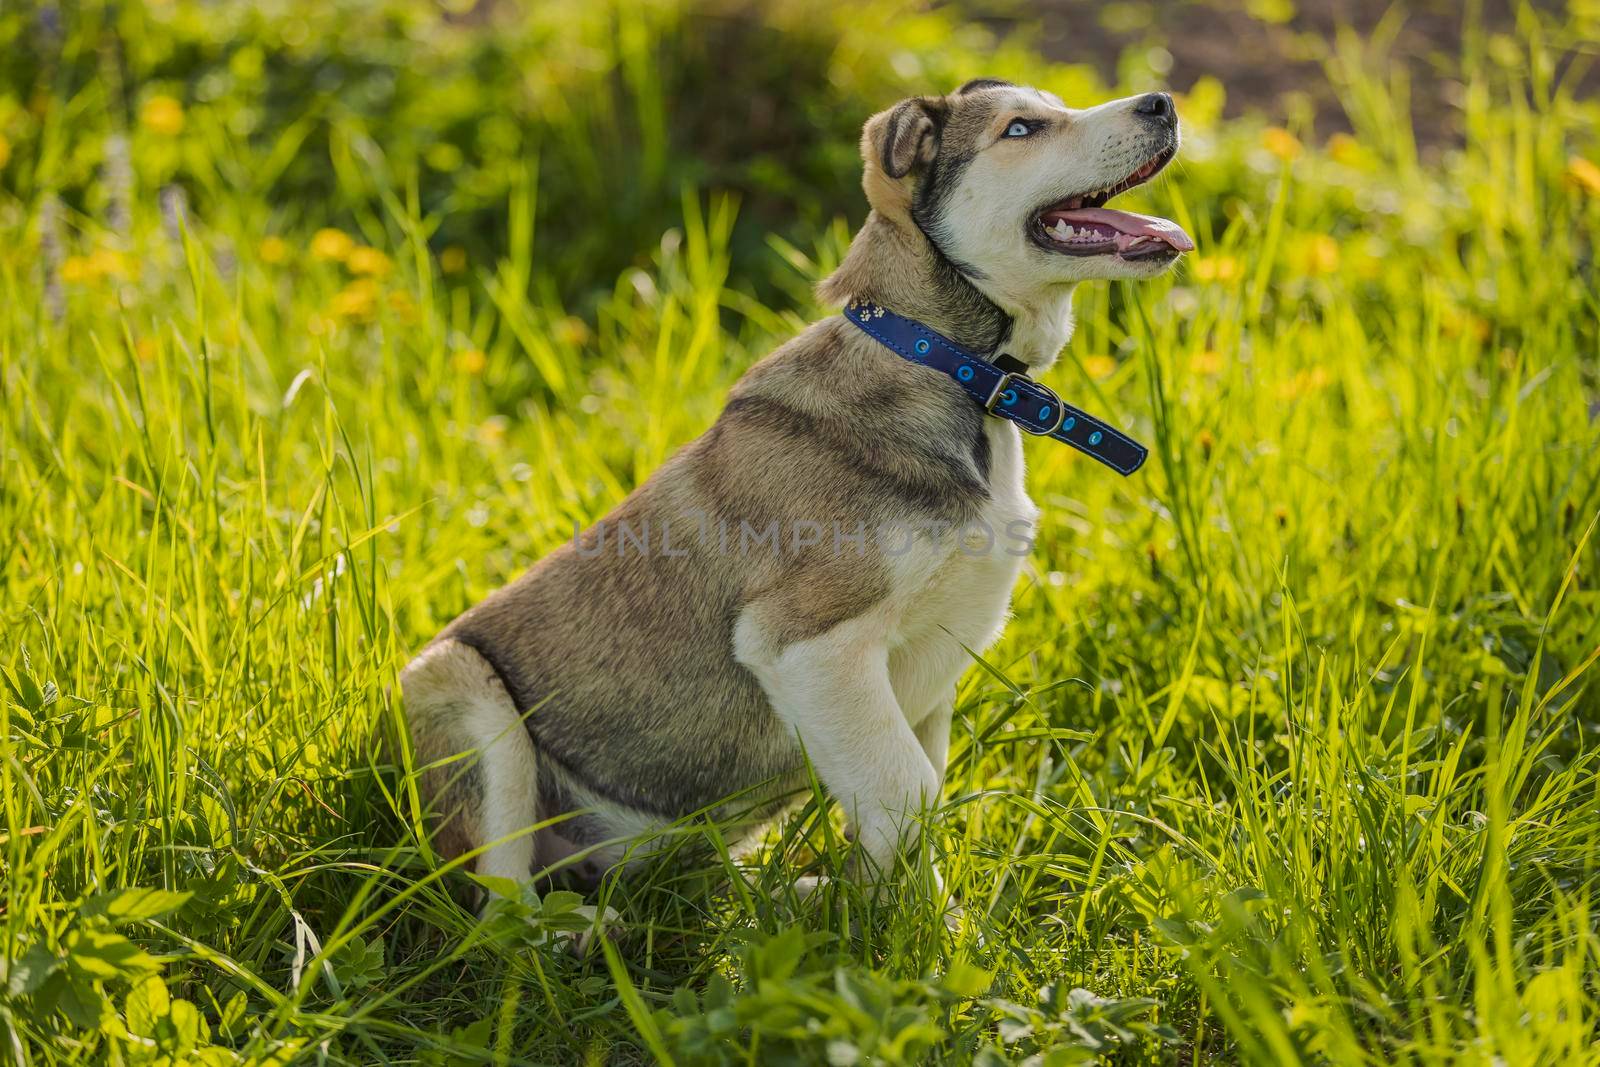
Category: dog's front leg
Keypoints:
(933, 733)
(834, 691)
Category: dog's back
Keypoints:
(616, 651)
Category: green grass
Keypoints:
(1289, 753)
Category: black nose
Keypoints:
(1159, 107)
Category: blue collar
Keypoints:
(1008, 394)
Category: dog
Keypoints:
(696, 645)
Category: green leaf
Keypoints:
(561, 900)
(232, 1015)
(135, 904)
(83, 1004)
(29, 693)
(183, 1030)
(966, 979)
(360, 962)
(1177, 931)
(779, 957)
(507, 888)
(28, 974)
(217, 902)
(472, 1036)
(106, 954)
(148, 1002)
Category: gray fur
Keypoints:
(626, 657)
(623, 661)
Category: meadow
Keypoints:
(318, 322)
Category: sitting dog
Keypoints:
(744, 610)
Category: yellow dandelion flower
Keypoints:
(1206, 440)
(273, 250)
(470, 361)
(364, 260)
(404, 308)
(1306, 381)
(145, 349)
(162, 115)
(1584, 175)
(453, 260)
(355, 302)
(1208, 361)
(493, 430)
(106, 263)
(1099, 367)
(1216, 269)
(331, 245)
(77, 270)
(1280, 142)
(1346, 149)
(1316, 253)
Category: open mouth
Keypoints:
(1081, 226)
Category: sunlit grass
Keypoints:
(1289, 753)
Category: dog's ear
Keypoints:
(909, 136)
(897, 143)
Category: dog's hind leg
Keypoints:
(478, 761)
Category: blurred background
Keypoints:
(600, 115)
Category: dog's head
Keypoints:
(1009, 184)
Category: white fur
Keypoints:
(870, 698)
(986, 221)
(451, 683)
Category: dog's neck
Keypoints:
(893, 263)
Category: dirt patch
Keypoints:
(1268, 54)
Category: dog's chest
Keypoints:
(957, 592)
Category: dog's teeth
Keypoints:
(1062, 231)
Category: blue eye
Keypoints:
(1018, 129)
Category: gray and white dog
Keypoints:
(666, 659)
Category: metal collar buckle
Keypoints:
(1001, 388)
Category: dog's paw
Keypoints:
(559, 918)
(583, 939)
(606, 923)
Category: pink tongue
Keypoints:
(1128, 223)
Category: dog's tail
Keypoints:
(477, 759)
